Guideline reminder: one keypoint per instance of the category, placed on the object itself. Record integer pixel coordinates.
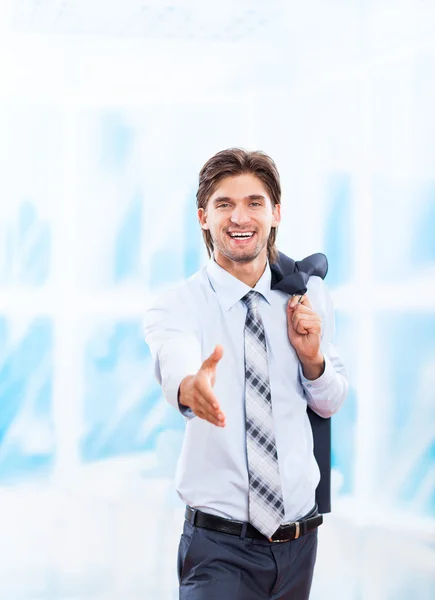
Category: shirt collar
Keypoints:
(230, 290)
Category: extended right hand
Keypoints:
(196, 391)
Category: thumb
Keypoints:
(212, 361)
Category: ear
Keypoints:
(202, 217)
(276, 211)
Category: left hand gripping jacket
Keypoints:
(292, 276)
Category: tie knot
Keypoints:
(251, 299)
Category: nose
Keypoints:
(240, 216)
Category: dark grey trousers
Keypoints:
(219, 566)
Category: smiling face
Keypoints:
(239, 215)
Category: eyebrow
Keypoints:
(250, 197)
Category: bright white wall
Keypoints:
(101, 141)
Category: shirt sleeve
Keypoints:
(173, 338)
(327, 393)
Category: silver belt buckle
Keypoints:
(276, 541)
(297, 534)
(298, 530)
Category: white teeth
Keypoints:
(241, 235)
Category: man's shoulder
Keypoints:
(319, 295)
(316, 284)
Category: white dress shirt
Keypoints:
(183, 328)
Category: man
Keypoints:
(242, 361)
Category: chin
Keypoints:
(242, 257)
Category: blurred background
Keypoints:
(108, 110)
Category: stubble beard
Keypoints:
(241, 256)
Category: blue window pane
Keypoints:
(124, 411)
(26, 379)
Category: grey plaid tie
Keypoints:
(266, 507)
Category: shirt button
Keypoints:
(309, 385)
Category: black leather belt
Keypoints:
(285, 533)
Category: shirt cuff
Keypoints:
(322, 382)
(186, 411)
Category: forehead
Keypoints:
(238, 187)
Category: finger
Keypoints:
(300, 308)
(214, 358)
(305, 326)
(207, 416)
(299, 300)
(304, 301)
(204, 390)
(220, 422)
(296, 316)
(211, 414)
(207, 400)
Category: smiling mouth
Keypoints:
(241, 236)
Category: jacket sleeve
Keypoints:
(326, 394)
(173, 338)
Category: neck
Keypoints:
(248, 272)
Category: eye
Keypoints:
(255, 204)
(223, 205)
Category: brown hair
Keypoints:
(237, 161)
